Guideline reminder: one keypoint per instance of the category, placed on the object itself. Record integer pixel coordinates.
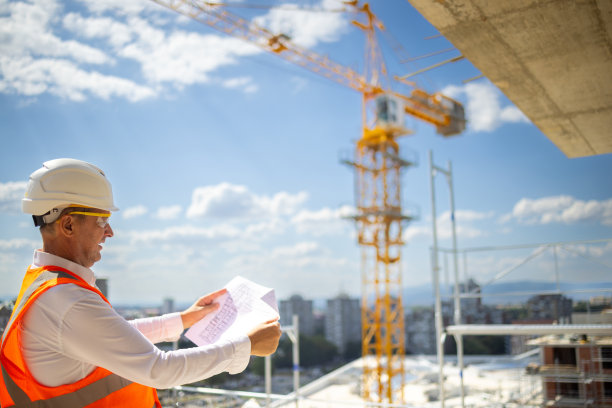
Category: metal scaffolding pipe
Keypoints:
(527, 329)
(435, 271)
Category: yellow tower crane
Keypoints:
(377, 164)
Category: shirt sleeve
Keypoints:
(167, 327)
(94, 333)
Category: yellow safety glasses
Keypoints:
(102, 220)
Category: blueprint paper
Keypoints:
(245, 305)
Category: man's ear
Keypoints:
(66, 226)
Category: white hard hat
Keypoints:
(61, 183)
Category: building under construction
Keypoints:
(576, 371)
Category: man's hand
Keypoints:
(264, 338)
(202, 307)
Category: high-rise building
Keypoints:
(167, 306)
(6, 309)
(343, 321)
(470, 304)
(556, 307)
(420, 330)
(296, 305)
(102, 284)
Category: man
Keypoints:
(65, 346)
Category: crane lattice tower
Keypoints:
(379, 219)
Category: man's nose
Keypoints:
(108, 231)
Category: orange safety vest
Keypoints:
(18, 388)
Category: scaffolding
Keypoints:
(575, 371)
(590, 381)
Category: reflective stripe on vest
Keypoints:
(76, 399)
(96, 388)
(43, 277)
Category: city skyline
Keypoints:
(224, 159)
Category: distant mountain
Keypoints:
(507, 292)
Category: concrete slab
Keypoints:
(552, 58)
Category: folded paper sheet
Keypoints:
(245, 305)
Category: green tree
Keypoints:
(474, 345)
(258, 366)
(580, 307)
(314, 351)
(352, 350)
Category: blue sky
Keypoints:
(224, 159)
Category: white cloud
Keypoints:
(465, 227)
(562, 209)
(26, 32)
(189, 232)
(484, 267)
(28, 76)
(592, 250)
(261, 230)
(483, 108)
(221, 201)
(282, 203)
(298, 266)
(444, 231)
(465, 216)
(35, 60)
(244, 83)
(299, 84)
(168, 213)
(298, 256)
(305, 28)
(580, 262)
(512, 114)
(222, 236)
(299, 249)
(229, 201)
(18, 243)
(44, 51)
(323, 221)
(133, 212)
(415, 231)
(185, 58)
(180, 57)
(11, 194)
(132, 7)
(117, 33)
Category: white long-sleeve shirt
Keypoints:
(68, 331)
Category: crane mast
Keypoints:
(378, 167)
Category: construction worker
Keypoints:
(64, 345)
